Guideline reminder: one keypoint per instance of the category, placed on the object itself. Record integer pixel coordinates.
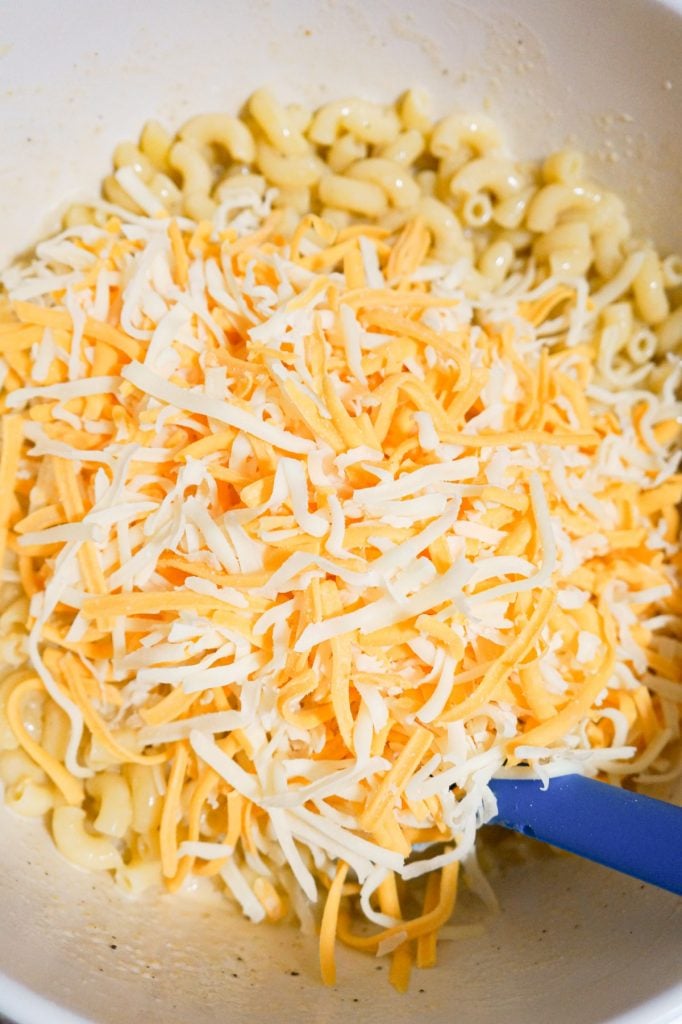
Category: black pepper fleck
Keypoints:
(112, 945)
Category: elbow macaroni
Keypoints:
(405, 148)
(355, 159)
(460, 135)
(298, 171)
(553, 201)
(414, 110)
(492, 174)
(155, 143)
(400, 188)
(669, 332)
(29, 799)
(565, 167)
(72, 839)
(344, 151)
(193, 168)
(367, 121)
(16, 766)
(115, 814)
(349, 161)
(146, 798)
(276, 123)
(649, 291)
(219, 130)
(356, 196)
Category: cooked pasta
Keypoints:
(338, 475)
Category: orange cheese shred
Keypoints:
(70, 787)
(329, 926)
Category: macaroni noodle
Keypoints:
(353, 158)
(337, 476)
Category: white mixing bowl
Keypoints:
(574, 944)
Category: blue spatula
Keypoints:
(627, 831)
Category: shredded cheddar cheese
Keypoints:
(313, 545)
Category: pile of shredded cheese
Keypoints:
(320, 539)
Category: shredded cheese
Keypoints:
(314, 548)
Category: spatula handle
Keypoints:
(632, 833)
